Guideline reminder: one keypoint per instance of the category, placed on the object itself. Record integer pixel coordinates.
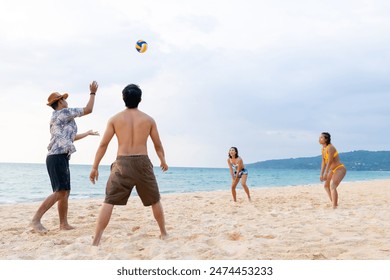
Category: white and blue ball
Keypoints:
(141, 46)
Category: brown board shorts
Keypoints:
(130, 171)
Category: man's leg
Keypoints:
(63, 210)
(46, 205)
(158, 214)
(102, 222)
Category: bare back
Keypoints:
(132, 129)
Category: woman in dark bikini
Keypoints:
(237, 171)
(332, 170)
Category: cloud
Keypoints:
(266, 77)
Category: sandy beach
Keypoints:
(285, 223)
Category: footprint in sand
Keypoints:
(319, 256)
(268, 236)
(135, 228)
(234, 236)
(325, 232)
(93, 207)
(62, 242)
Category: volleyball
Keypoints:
(141, 46)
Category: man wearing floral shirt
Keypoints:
(63, 130)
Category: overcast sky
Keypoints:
(265, 76)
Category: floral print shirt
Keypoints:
(63, 130)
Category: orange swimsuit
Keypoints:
(325, 155)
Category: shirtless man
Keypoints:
(132, 166)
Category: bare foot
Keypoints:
(164, 236)
(66, 227)
(95, 241)
(38, 228)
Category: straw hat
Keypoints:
(55, 96)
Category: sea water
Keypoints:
(27, 182)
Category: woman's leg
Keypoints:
(327, 185)
(337, 177)
(234, 185)
(245, 186)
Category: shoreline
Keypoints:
(281, 223)
(264, 187)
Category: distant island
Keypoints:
(355, 160)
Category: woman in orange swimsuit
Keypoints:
(332, 170)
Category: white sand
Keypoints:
(286, 223)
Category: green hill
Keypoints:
(356, 160)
